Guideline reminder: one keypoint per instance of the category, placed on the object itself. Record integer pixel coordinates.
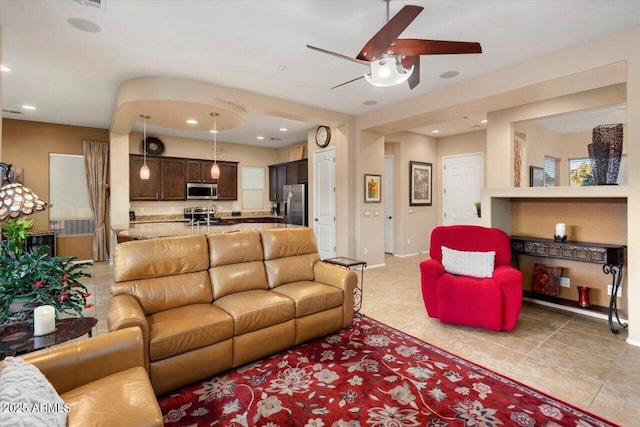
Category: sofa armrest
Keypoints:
(510, 281)
(73, 364)
(124, 311)
(342, 278)
(430, 272)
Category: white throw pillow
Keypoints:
(27, 398)
(468, 263)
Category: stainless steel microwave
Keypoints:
(201, 191)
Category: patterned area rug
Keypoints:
(367, 375)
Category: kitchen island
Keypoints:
(150, 230)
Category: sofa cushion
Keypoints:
(167, 292)
(182, 329)
(288, 242)
(468, 263)
(123, 398)
(22, 388)
(256, 309)
(290, 269)
(235, 247)
(311, 297)
(244, 276)
(165, 256)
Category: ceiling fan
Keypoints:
(393, 61)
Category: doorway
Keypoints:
(389, 196)
(462, 178)
(324, 202)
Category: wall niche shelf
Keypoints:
(594, 213)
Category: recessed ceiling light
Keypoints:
(84, 25)
(260, 137)
(435, 131)
(192, 122)
(28, 107)
(5, 69)
(449, 74)
(483, 121)
(282, 67)
(283, 129)
(370, 102)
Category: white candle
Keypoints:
(561, 229)
(44, 320)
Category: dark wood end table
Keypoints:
(18, 338)
(350, 263)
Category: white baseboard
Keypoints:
(633, 342)
(406, 255)
(375, 266)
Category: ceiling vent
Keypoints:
(100, 4)
(11, 111)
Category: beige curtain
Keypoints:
(96, 158)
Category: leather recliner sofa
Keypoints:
(102, 379)
(208, 304)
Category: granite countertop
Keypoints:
(150, 230)
(144, 219)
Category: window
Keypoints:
(550, 171)
(580, 172)
(70, 211)
(252, 188)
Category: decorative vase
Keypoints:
(583, 296)
(605, 152)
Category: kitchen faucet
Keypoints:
(211, 207)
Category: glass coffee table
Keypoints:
(18, 338)
(351, 263)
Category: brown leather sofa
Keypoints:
(208, 304)
(102, 379)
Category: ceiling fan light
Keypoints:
(387, 72)
(215, 171)
(144, 172)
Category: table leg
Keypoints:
(616, 275)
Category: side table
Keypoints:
(350, 263)
(18, 338)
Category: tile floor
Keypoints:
(570, 356)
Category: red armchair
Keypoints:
(489, 302)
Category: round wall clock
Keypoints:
(154, 146)
(323, 136)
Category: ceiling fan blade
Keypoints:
(407, 62)
(389, 32)
(413, 47)
(339, 55)
(350, 81)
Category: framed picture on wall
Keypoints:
(536, 176)
(372, 188)
(420, 183)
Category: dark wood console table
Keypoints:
(610, 256)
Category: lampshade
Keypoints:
(17, 200)
(387, 72)
(215, 171)
(144, 172)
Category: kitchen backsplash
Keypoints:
(177, 208)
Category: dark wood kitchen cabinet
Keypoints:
(288, 173)
(167, 177)
(172, 179)
(228, 181)
(144, 189)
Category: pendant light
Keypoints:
(215, 169)
(144, 170)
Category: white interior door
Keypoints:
(324, 202)
(462, 187)
(388, 195)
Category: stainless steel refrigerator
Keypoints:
(295, 197)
